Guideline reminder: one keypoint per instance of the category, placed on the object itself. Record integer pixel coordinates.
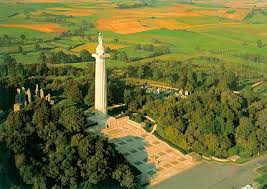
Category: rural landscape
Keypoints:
(158, 94)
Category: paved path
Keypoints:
(213, 175)
(155, 159)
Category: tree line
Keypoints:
(153, 49)
(181, 75)
(133, 5)
(63, 58)
(7, 40)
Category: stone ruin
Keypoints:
(24, 97)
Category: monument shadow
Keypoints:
(133, 148)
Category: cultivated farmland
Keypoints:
(232, 32)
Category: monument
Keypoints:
(100, 79)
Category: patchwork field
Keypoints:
(232, 31)
(132, 21)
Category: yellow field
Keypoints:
(137, 20)
(170, 24)
(91, 47)
(47, 28)
(37, 13)
(238, 3)
(122, 26)
(71, 12)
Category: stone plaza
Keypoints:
(155, 159)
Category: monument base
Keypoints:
(101, 119)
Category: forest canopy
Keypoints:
(52, 150)
(212, 120)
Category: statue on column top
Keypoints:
(100, 39)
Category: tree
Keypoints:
(90, 97)
(259, 44)
(37, 47)
(7, 59)
(20, 49)
(115, 90)
(122, 56)
(22, 37)
(72, 91)
(62, 57)
(244, 129)
(9, 174)
(127, 96)
(72, 119)
(124, 175)
(6, 40)
(42, 69)
(140, 72)
(86, 56)
(116, 40)
(114, 55)
(42, 57)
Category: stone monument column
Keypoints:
(100, 79)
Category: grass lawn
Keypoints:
(262, 179)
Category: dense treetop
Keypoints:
(52, 149)
(212, 120)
